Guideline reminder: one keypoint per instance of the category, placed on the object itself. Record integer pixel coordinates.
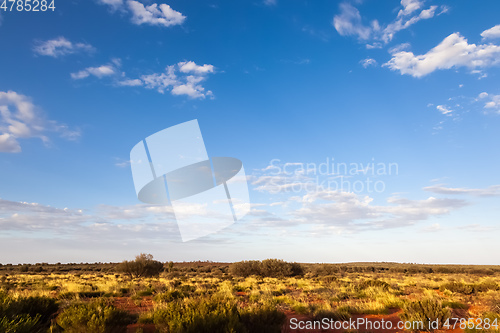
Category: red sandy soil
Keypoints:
(136, 307)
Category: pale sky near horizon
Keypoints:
(369, 130)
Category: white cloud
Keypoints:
(491, 191)
(444, 110)
(9, 144)
(350, 23)
(191, 88)
(176, 79)
(368, 62)
(161, 81)
(192, 67)
(99, 72)
(162, 15)
(21, 119)
(453, 52)
(60, 47)
(491, 33)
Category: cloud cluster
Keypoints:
(350, 23)
(59, 47)
(184, 78)
(21, 119)
(350, 212)
(33, 216)
(453, 52)
(154, 14)
(491, 102)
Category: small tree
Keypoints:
(142, 266)
(170, 266)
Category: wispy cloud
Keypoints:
(101, 71)
(59, 47)
(444, 110)
(106, 70)
(270, 2)
(21, 119)
(368, 62)
(349, 22)
(114, 4)
(491, 191)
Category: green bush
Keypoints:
(20, 324)
(458, 287)
(142, 266)
(262, 319)
(245, 268)
(373, 283)
(168, 296)
(267, 268)
(426, 311)
(97, 317)
(215, 314)
(198, 316)
(469, 288)
(26, 314)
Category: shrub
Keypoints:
(97, 316)
(458, 287)
(26, 314)
(215, 314)
(142, 266)
(168, 296)
(469, 288)
(20, 324)
(266, 268)
(426, 311)
(245, 268)
(373, 283)
(262, 318)
(198, 316)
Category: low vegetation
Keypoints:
(145, 295)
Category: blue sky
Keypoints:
(281, 85)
